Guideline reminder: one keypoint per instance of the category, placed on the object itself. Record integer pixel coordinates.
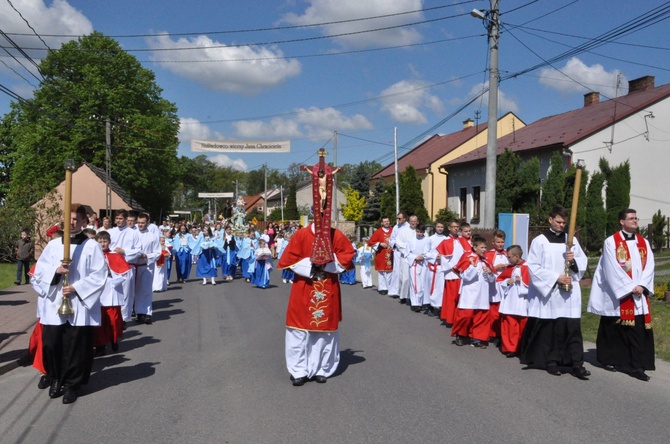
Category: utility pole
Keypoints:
(492, 20)
(395, 162)
(108, 168)
(337, 211)
(265, 193)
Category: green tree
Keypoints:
(553, 188)
(596, 218)
(373, 210)
(291, 207)
(617, 193)
(445, 215)
(658, 236)
(411, 195)
(528, 197)
(387, 202)
(508, 168)
(355, 206)
(85, 82)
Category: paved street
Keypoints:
(211, 370)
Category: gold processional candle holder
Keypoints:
(65, 308)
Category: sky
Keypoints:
(373, 71)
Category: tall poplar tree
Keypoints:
(553, 188)
(596, 218)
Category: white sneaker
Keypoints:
(283, 280)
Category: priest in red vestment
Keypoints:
(314, 307)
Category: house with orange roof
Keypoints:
(634, 127)
(429, 156)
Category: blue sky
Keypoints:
(301, 69)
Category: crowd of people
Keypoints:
(114, 284)
(530, 309)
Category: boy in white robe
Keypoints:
(68, 339)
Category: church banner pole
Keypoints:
(573, 216)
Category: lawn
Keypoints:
(7, 275)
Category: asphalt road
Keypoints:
(211, 370)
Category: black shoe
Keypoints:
(609, 368)
(56, 390)
(140, 319)
(581, 373)
(416, 308)
(458, 341)
(402, 301)
(552, 369)
(510, 355)
(640, 374)
(17, 282)
(100, 351)
(297, 382)
(384, 292)
(480, 344)
(69, 396)
(147, 320)
(115, 346)
(44, 382)
(320, 379)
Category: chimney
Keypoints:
(469, 123)
(591, 98)
(641, 84)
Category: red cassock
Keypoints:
(384, 256)
(315, 305)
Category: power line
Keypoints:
(27, 23)
(278, 42)
(274, 28)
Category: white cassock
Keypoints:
(434, 274)
(400, 243)
(129, 240)
(417, 271)
(546, 261)
(144, 271)
(88, 273)
(514, 295)
(611, 283)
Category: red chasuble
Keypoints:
(315, 305)
(627, 305)
(384, 256)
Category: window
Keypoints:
(463, 199)
(476, 202)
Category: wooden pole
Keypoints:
(575, 203)
(69, 164)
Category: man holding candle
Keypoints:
(68, 338)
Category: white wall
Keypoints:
(649, 160)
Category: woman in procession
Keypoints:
(207, 252)
(182, 244)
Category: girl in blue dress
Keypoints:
(229, 257)
(182, 244)
(287, 274)
(261, 277)
(207, 252)
(349, 276)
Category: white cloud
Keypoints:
(406, 98)
(253, 70)
(314, 123)
(58, 18)
(224, 161)
(190, 129)
(323, 11)
(592, 77)
(505, 103)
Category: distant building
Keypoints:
(633, 127)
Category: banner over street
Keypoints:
(241, 146)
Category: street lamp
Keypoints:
(492, 23)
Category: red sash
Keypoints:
(116, 262)
(627, 305)
(464, 263)
(509, 271)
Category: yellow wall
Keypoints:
(435, 194)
